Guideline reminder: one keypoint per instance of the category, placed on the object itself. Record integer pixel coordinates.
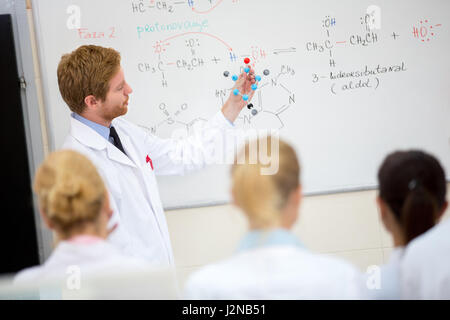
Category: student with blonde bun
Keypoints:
(74, 203)
(411, 201)
(270, 262)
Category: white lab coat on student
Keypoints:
(142, 229)
(275, 272)
(95, 271)
(425, 268)
(385, 284)
(90, 259)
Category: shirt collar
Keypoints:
(101, 130)
(264, 238)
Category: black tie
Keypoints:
(113, 134)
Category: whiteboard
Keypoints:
(349, 81)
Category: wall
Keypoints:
(32, 104)
(345, 225)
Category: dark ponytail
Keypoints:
(419, 212)
(413, 185)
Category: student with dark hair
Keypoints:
(425, 266)
(411, 201)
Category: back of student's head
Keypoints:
(263, 196)
(70, 191)
(412, 184)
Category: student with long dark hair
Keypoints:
(411, 201)
(425, 266)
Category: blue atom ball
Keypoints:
(247, 70)
(254, 86)
(245, 97)
(234, 77)
(235, 92)
(258, 78)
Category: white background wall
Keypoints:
(345, 225)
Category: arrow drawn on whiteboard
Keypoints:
(278, 51)
(207, 11)
(204, 33)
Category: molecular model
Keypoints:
(254, 86)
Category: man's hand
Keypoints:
(235, 104)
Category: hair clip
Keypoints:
(412, 184)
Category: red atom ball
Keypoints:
(246, 60)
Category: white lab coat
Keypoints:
(92, 259)
(142, 229)
(275, 272)
(93, 270)
(388, 287)
(425, 268)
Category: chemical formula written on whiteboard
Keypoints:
(366, 77)
(172, 6)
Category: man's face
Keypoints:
(116, 102)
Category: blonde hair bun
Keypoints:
(69, 189)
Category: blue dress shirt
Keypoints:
(101, 130)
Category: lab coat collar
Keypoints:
(264, 238)
(128, 146)
(92, 139)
